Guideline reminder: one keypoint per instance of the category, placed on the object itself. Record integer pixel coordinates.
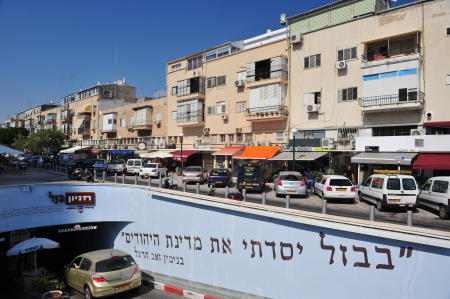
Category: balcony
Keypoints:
(267, 78)
(110, 128)
(141, 123)
(190, 119)
(268, 113)
(396, 102)
(83, 131)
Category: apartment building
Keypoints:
(35, 119)
(365, 71)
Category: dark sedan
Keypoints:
(219, 177)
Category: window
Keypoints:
(174, 115)
(312, 98)
(231, 138)
(377, 183)
(447, 79)
(190, 110)
(393, 131)
(213, 139)
(222, 138)
(367, 183)
(393, 184)
(239, 138)
(447, 31)
(440, 186)
(85, 264)
(221, 80)
(427, 186)
(312, 61)
(310, 134)
(347, 94)
(346, 54)
(279, 137)
(409, 184)
(211, 82)
(211, 110)
(174, 90)
(194, 63)
(221, 107)
(189, 86)
(122, 123)
(94, 110)
(241, 106)
(176, 67)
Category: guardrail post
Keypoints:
(115, 177)
(184, 186)
(123, 178)
(324, 206)
(135, 179)
(264, 195)
(95, 175)
(288, 201)
(227, 191)
(104, 176)
(160, 180)
(149, 179)
(171, 178)
(371, 213)
(244, 194)
(409, 218)
(197, 185)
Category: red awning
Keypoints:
(186, 153)
(432, 161)
(229, 151)
(438, 124)
(258, 152)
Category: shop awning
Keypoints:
(299, 156)
(74, 149)
(121, 152)
(432, 161)
(186, 153)
(157, 154)
(384, 158)
(258, 152)
(229, 151)
(439, 124)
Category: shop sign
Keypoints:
(80, 201)
(142, 146)
(372, 148)
(311, 149)
(77, 228)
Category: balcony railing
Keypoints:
(141, 122)
(195, 116)
(278, 108)
(375, 57)
(409, 97)
(276, 112)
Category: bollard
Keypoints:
(104, 176)
(409, 218)
(264, 195)
(324, 206)
(184, 186)
(198, 187)
(244, 194)
(123, 178)
(288, 201)
(371, 213)
(149, 179)
(160, 180)
(171, 178)
(115, 177)
(135, 179)
(95, 175)
(227, 191)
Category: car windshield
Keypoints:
(340, 182)
(291, 177)
(151, 165)
(409, 184)
(130, 162)
(393, 184)
(193, 169)
(100, 162)
(114, 263)
(219, 172)
(116, 162)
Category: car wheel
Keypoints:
(380, 205)
(443, 212)
(87, 293)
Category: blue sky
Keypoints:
(50, 48)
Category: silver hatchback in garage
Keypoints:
(289, 182)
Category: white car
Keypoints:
(152, 170)
(336, 187)
(388, 190)
(133, 166)
(435, 194)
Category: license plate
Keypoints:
(218, 182)
(123, 287)
(394, 200)
(341, 189)
(191, 180)
(292, 192)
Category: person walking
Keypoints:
(310, 181)
(349, 174)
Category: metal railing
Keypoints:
(195, 116)
(374, 57)
(392, 99)
(275, 108)
(141, 122)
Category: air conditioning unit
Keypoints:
(157, 122)
(239, 83)
(296, 38)
(416, 132)
(327, 142)
(224, 116)
(129, 127)
(205, 130)
(341, 65)
(312, 108)
(238, 130)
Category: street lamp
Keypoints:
(293, 130)
(181, 152)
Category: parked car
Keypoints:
(103, 273)
(133, 166)
(193, 174)
(435, 194)
(99, 165)
(289, 182)
(152, 170)
(336, 187)
(250, 177)
(219, 177)
(116, 166)
(389, 190)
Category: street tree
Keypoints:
(7, 135)
(41, 142)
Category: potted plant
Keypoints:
(50, 285)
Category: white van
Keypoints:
(436, 195)
(133, 166)
(388, 190)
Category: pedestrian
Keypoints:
(310, 180)
(349, 174)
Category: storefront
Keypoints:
(260, 153)
(433, 164)
(303, 160)
(222, 158)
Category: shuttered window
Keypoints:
(312, 61)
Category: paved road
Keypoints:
(146, 291)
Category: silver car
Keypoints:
(289, 182)
(116, 166)
(193, 174)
